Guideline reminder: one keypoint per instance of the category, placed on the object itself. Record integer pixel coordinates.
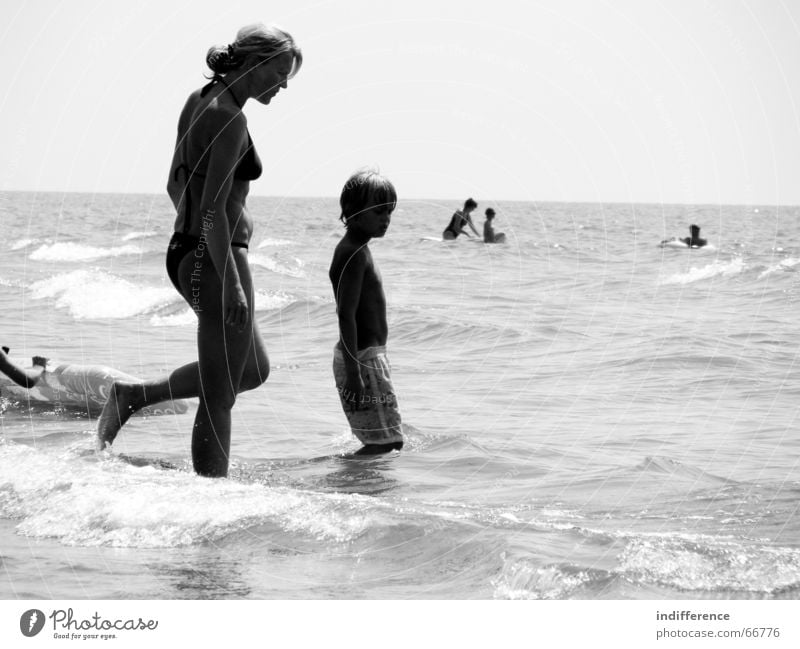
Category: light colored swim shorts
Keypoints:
(375, 419)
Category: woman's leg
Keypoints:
(223, 353)
(184, 383)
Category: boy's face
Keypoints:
(373, 221)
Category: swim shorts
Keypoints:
(374, 419)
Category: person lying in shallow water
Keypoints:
(27, 377)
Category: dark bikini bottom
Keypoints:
(181, 245)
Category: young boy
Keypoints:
(489, 235)
(360, 366)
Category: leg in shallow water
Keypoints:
(377, 449)
(184, 383)
(229, 360)
(126, 398)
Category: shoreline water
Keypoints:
(590, 416)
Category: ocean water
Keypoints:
(588, 415)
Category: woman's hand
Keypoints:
(237, 312)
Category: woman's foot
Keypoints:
(123, 400)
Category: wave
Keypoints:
(68, 251)
(714, 269)
(95, 294)
(23, 243)
(785, 265)
(698, 563)
(265, 301)
(524, 579)
(140, 235)
(114, 503)
(275, 242)
(290, 266)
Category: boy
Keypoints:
(489, 235)
(360, 366)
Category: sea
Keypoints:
(588, 415)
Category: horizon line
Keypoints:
(414, 198)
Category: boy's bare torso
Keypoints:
(352, 262)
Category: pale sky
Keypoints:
(680, 101)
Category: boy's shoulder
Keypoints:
(350, 253)
(347, 246)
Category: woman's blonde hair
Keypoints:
(265, 41)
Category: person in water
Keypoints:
(460, 219)
(212, 168)
(489, 235)
(360, 366)
(27, 377)
(694, 241)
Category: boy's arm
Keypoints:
(348, 295)
(27, 378)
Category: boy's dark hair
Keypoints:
(470, 204)
(489, 213)
(364, 188)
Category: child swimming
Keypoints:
(489, 235)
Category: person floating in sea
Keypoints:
(460, 219)
(489, 235)
(67, 385)
(360, 365)
(212, 167)
(26, 377)
(694, 241)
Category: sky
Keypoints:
(680, 101)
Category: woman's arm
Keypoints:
(228, 137)
(176, 186)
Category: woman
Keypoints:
(460, 219)
(214, 162)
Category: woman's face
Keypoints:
(269, 76)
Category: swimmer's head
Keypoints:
(254, 44)
(469, 205)
(364, 190)
(489, 213)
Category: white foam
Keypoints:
(181, 319)
(782, 266)
(275, 242)
(292, 267)
(702, 562)
(68, 251)
(265, 301)
(272, 300)
(23, 243)
(95, 294)
(714, 269)
(140, 235)
(112, 503)
(522, 579)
